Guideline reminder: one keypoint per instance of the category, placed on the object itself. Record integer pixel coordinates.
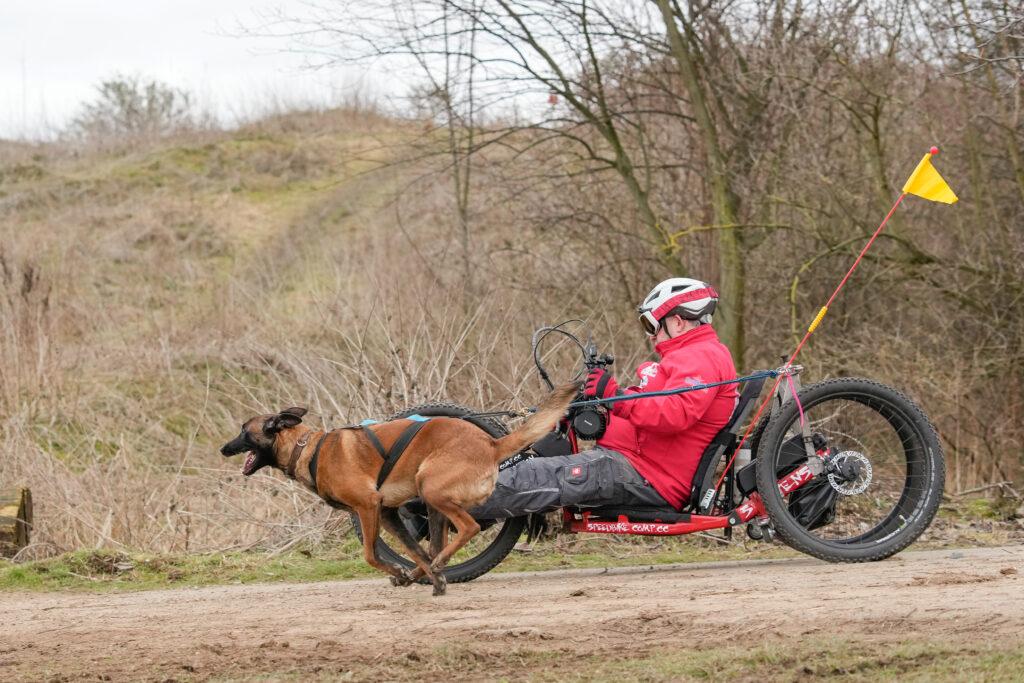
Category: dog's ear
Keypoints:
(296, 412)
(289, 417)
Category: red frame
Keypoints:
(751, 508)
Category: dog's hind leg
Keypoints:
(465, 529)
(438, 525)
(369, 522)
(393, 523)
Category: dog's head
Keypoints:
(258, 436)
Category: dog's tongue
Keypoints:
(250, 463)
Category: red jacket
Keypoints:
(664, 436)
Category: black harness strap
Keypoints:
(375, 441)
(313, 460)
(391, 456)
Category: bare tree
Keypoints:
(989, 54)
(517, 53)
(127, 107)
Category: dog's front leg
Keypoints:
(369, 522)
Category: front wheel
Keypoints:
(883, 471)
(485, 550)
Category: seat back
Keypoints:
(702, 489)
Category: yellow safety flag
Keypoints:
(926, 182)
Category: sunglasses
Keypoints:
(650, 325)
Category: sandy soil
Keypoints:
(354, 629)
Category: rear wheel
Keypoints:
(883, 471)
(488, 548)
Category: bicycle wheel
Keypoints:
(883, 471)
(488, 548)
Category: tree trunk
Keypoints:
(732, 276)
(15, 520)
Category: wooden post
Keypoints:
(15, 519)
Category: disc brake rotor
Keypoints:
(849, 473)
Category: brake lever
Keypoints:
(592, 360)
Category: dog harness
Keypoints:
(395, 452)
(390, 456)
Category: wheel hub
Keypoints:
(849, 472)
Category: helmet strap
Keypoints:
(664, 326)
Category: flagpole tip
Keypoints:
(933, 151)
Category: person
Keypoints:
(651, 447)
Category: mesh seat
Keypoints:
(702, 489)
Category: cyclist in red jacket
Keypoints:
(649, 452)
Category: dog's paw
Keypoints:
(400, 581)
(440, 584)
(406, 578)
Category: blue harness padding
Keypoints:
(369, 421)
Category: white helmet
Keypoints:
(691, 299)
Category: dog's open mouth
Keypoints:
(251, 463)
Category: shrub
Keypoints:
(127, 108)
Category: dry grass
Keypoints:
(154, 297)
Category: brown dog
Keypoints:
(450, 464)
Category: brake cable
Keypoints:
(541, 334)
(761, 374)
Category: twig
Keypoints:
(717, 539)
(1006, 486)
(294, 541)
(31, 546)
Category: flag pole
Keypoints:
(812, 327)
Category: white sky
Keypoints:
(54, 52)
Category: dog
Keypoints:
(451, 464)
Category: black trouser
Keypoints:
(593, 478)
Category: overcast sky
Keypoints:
(54, 52)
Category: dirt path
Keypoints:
(359, 629)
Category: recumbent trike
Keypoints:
(846, 470)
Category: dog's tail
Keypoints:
(540, 423)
